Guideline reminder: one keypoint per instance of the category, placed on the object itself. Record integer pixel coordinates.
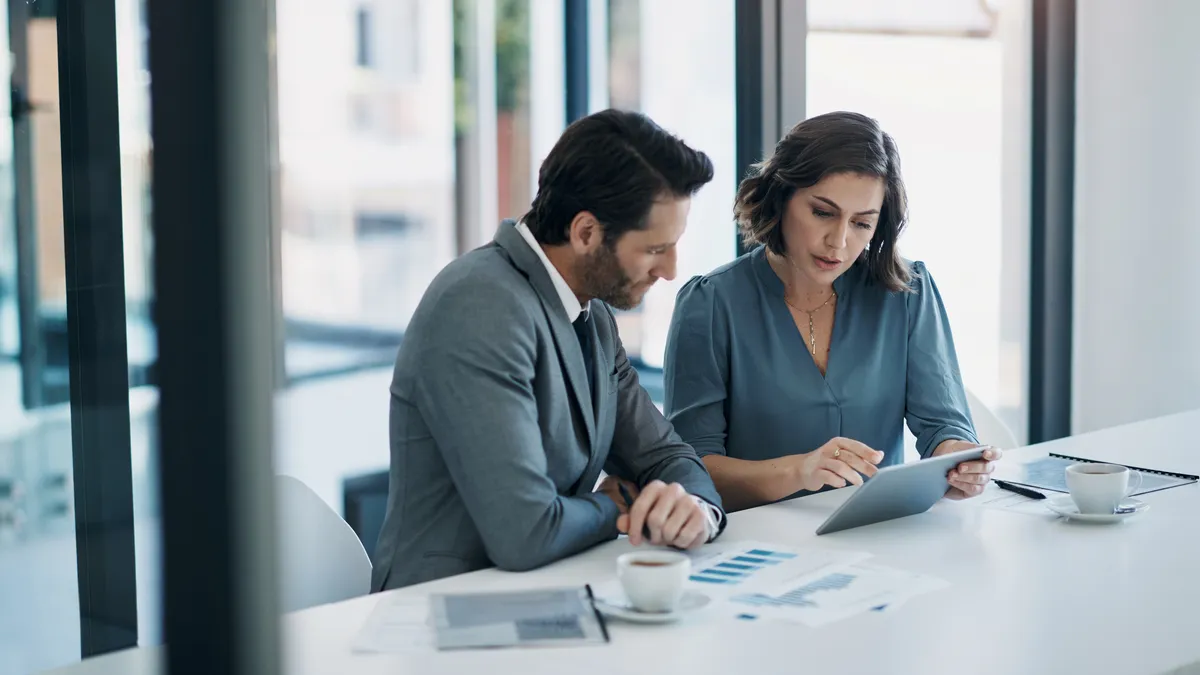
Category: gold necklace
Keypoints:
(812, 334)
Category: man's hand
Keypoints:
(969, 478)
(611, 486)
(671, 515)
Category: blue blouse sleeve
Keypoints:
(935, 401)
(696, 369)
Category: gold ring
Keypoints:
(837, 452)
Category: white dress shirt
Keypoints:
(574, 309)
(570, 303)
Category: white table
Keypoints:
(1029, 594)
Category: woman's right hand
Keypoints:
(838, 463)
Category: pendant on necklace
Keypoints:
(812, 336)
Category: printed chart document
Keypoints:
(398, 625)
(552, 616)
(726, 569)
(752, 580)
(540, 617)
(820, 599)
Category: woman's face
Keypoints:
(827, 226)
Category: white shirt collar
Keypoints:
(569, 302)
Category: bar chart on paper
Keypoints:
(739, 567)
(813, 586)
(755, 566)
(801, 596)
(834, 594)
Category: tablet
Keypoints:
(898, 491)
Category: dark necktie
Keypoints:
(583, 331)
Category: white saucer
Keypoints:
(1064, 506)
(619, 608)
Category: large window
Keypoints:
(947, 80)
(133, 97)
(366, 138)
(39, 590)
(407, 131)
(674, 61)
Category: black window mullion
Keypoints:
(97, 348)
(1052, 218)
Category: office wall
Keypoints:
(1137, 284)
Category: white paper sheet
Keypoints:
(994, 497)
(755, 580)
(836, 594)
(739, 567)
(398, 625)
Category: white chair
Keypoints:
(990, 429)
(321, 559)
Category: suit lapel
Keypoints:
(599, 373)
(569, 352)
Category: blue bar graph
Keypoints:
(712, 580)
(771, 554)
(757, 561)
(739, 567)
(725, 573)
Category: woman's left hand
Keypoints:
(969, 478)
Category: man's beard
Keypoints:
(603, 278)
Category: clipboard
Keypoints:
(534, 618)
(1049, 473)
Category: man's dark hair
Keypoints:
(836, 142)
(614, 164)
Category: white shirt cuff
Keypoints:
(712, 517)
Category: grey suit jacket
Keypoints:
(497, 441)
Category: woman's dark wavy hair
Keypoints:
(837, 142)
(614, 164)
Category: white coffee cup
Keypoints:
(1099, 488)
(653, 580)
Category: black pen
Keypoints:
(599, 614)
(629, 505)
(1023, 491)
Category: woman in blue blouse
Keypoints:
(795, 366)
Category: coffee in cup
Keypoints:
(653, 580)
(1099, 488)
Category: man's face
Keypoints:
(620, 272)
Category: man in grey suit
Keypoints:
(512, 390)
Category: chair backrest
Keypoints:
(321, 560)
(989, 428)
(364, 503)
